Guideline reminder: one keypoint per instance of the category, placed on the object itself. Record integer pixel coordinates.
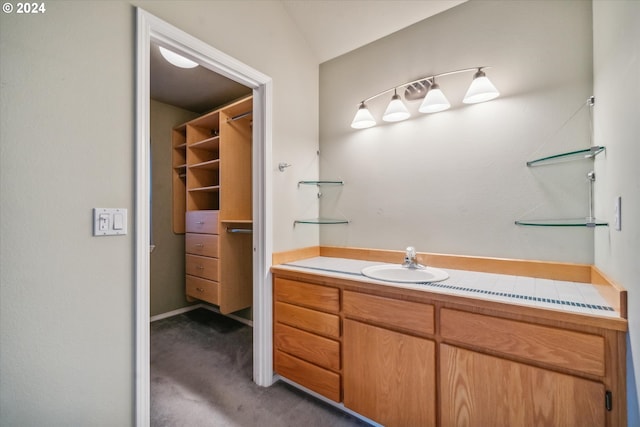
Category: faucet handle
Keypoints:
(410, 252)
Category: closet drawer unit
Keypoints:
(313, 377)
(307, 319)
(202, 289)
(201, 244)
(413, 316)
(202, 266)
(313, 348)
(307, 295)
(560, 347)
(201, 222)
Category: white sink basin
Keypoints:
(398, 273)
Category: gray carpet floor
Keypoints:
(201, 369)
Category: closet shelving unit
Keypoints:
(212, 204)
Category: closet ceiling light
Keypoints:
(434, 101)
(177, 60)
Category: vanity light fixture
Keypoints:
(433, 99)
(481, 89)
(177, 60)
(396, 111)
(363, 119)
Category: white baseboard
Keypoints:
(173, 312)
(196, 306)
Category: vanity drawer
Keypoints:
(202, 266)
(310, 320)
(559, 347)
(313, 377)
(306, 294)
(202, 289)
(310, 347)
(201, 222)
(201, 244)
(413, 316)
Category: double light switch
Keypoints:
(109, 221)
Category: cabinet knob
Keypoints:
(200, 289)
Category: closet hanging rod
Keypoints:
(239, 116)
(239, 230)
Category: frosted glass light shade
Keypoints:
(177, 60)
(434, 101)
(363, 118)
(396, 110)
(481, 89)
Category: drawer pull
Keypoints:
(200, 222)
(199, 245)
(200, 289)
(199, 267)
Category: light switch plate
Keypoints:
(109, 221)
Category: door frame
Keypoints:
(150, 28)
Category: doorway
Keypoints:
(153, 30)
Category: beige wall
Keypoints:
(454, 182)
(616, 40)
(167, 259)
(67, 145)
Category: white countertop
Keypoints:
(572, 297)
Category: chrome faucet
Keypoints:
(411, 259)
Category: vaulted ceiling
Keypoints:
(330, 27)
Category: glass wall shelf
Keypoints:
(588, 153)
(574, 222)
(320, 221)
(321, 182)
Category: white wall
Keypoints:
(166, 287)
(455, 182)
(616, 40)
(67, 145)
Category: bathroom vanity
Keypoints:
(478, 349)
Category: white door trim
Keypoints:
(151, 28)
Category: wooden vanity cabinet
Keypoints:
(413, 360)
(389, 373)
(307, 334)
(482, 390)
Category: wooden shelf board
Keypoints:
(211, 144)
(208, 165)
(209, 189)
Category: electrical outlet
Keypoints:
(617, 214)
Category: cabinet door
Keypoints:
(482, 390)
(389, 377)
